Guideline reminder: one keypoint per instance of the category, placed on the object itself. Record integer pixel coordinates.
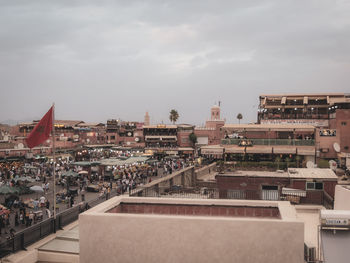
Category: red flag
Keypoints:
(41, 131)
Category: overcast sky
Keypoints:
(117, 59)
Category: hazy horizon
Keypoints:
(98, 60)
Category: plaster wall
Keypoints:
(167, 238)
(341, 199)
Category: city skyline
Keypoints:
(112, 59)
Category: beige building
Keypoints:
(342, 197)
(131, 229)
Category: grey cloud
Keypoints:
(103, 59)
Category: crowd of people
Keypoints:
(128, 178)
(22, 213)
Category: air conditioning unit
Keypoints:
(309, 254)
(335, 219)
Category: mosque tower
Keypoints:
(146, 120)
(215, 113)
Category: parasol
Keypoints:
(5, 189)
(37, 188)
(69, 173)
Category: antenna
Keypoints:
(219, 103)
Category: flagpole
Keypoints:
(54, 165)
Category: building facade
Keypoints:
(329, 113)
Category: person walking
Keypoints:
(82, 195)
(21, 217)
(16, 219)
(2, 225)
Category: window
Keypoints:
(314, 186)
(328, 133)
(346, 147)
(112, 137)
(185, 140)
(343, 123)
(269, 187)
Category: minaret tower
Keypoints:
(146, 121)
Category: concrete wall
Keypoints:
(342, 197)
(113, 237)
(205, 170)
(253, 185)
(184, 177)
(343, 115)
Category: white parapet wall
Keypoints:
(130, 237)
(342, 197)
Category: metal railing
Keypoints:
(175, 192)
(34, 233)
(294, 142)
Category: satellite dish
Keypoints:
(137, 139)
(333, 165)
(20, 146)
(336, 147)
(129, 134)
(310, 164)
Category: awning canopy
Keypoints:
(160, 137)
(304, 150)
(284, 149)
(234, 149)
(259, 149)
(86, 163)
(294, 192)
(209, 150)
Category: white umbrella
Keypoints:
(83, 172)
(37, 188)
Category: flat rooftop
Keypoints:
(197, 210)
(151, 206)
(297, 173)
(304, 127)
(66, 242)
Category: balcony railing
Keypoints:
(296, 115)
(295, 142)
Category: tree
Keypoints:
(277, 160)
(193, 138)
(239, 117)
(174, 116)
(298, 158)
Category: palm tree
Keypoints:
(174, 115)
(277, 160)
(193, 138)
(239, 117)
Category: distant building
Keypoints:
(211, 134)
(298, 185)
(266, 142)
(164, 139)
(328, 112)
(124, 133)
(147, 119)
(161, 139)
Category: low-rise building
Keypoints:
(188, 230)
(299, 185)
(329, 113)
